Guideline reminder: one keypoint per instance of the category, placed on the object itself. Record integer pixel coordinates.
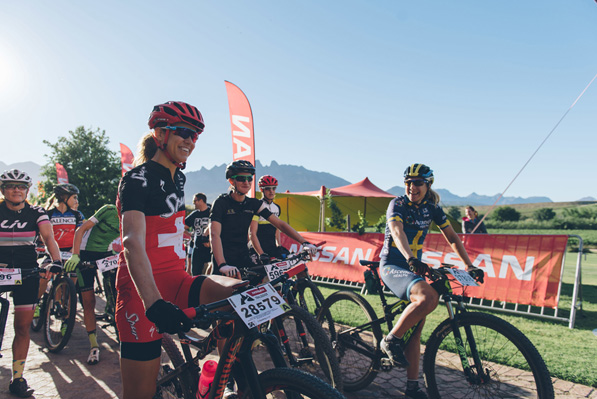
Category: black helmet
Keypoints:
(65, 190)
(419, 170)
(237, 167)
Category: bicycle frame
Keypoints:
(442, 285)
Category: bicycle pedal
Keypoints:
(386, 364)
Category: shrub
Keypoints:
(506, 214)
(544, 214)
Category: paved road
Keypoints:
(67, 375)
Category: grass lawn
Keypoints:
(570, 354)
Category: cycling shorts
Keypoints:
(399, 279)
(86, 277)
(24, 296)
(175, 286)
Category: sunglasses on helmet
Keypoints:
(417, 183)
(184, 132)
(241, 178)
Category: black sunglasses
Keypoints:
(184, 132)
(241, 178)
(417, 183)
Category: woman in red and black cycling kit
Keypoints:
(20, 226)
(152, 282)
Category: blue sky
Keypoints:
(353, 88)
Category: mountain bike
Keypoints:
(9, 278)
(239, 329)
(302, 339)
(57, 310)
(468, 354)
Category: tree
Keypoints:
(544, 214)
(337, 220)
(454, 212)
(506, 214)
(90, 165)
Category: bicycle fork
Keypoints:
(474, 378)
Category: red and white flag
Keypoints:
(61, 174)
(126, 157)
(241, 119)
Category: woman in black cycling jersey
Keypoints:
(408, 220)
(20, 225)
(152, 282)
(231, 216)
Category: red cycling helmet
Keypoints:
(268, 181)
(176, 112)
(170, 113)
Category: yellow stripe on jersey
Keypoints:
(444, 225)
(395, 218)
(415, 246)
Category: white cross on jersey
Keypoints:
(174, 239)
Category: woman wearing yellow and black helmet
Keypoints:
(407, 221)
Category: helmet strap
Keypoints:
(164, 148)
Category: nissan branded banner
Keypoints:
(523, 269)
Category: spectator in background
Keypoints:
(471, 220)
(198, 220)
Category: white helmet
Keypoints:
(15, 175)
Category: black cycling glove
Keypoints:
(264, 259)
(168, 318)
(477, 274)
(416, 266)
(55, 266)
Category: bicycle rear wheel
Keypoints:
(357, 348)
(309, 296)
(306, 345)
(283, 383)
(507, 365)
(61, 311)
(180, 386)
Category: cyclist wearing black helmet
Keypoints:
(408, 220)
(62, 211)
(20, 225)
(231, 216)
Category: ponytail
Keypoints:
(146, 149)
(432, 195)
(50, 201)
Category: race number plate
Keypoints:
(258, 305)
(109, 263)
(10, 277)
(275, 270)
(463, 277)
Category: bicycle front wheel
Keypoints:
(309, 296)
(38, 322)
(180, 386)
(349, 320)
(307, 346)
(61, 311)
(283, 383)
(503, 362)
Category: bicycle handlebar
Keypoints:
(203, 311)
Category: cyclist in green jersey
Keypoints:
(92, 242)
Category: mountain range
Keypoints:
(294, 178)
